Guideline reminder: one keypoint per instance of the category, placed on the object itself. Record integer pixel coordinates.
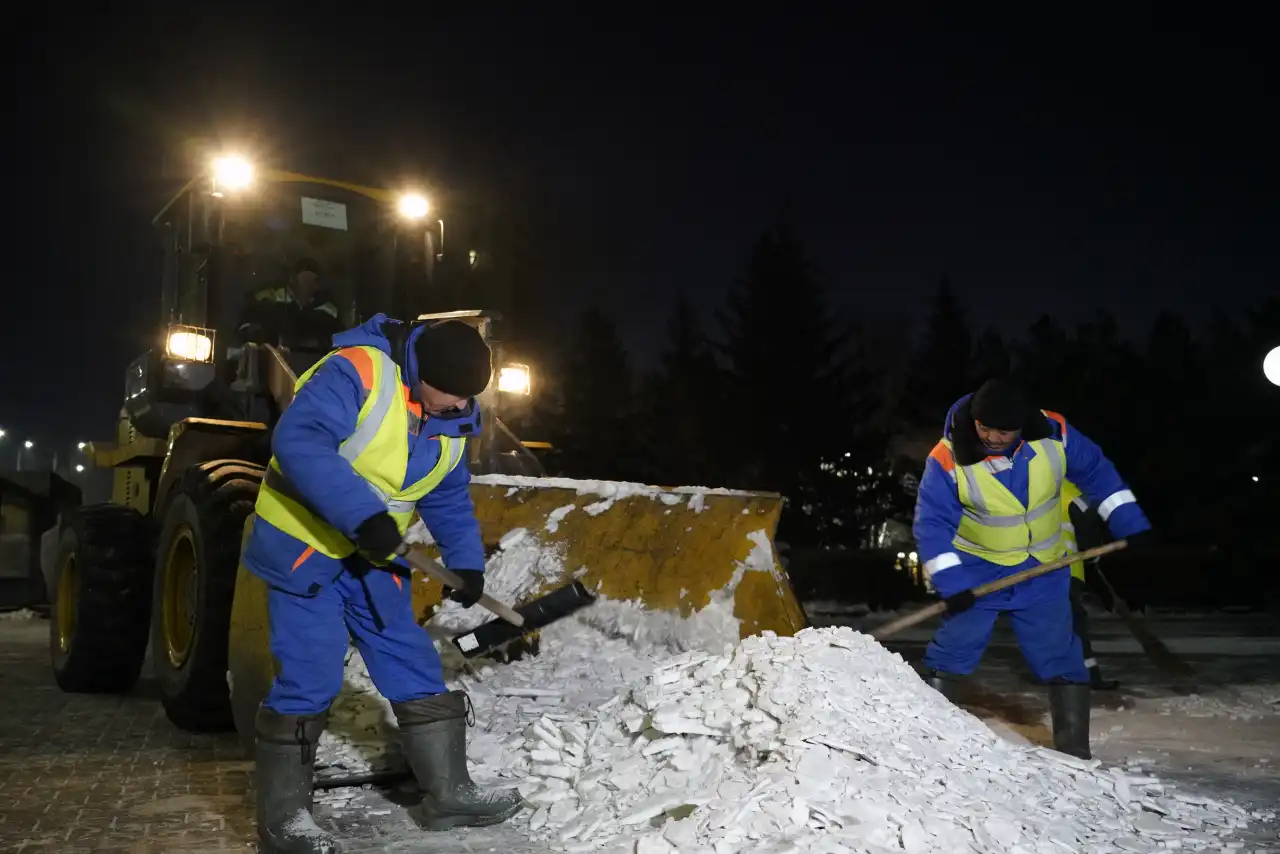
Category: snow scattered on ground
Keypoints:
(20, 614)
(1239, 703)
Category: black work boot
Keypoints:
(286, 761)
(1069, 708)
(946, 684)
(433, 735)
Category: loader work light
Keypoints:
(413, 206)
(189, 344)
(514, 379)
(231, 174)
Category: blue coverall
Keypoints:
(317, 603)
(1039, 608)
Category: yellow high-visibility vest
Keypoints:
(1071, 494)
(996, 526)
(378, 450)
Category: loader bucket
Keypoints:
(672, 550)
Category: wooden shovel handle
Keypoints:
(902, 623)
(421, 560)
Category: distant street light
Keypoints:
(28, 444)
(1, 434)
(79, 467)
(81, 446)
(1271, 366)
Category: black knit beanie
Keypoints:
(1002, 405)
(453, 358)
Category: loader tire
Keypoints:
(101, 602)
(197, 554)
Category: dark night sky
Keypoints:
(1046, 164)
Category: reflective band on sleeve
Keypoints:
(1116, 499)
(943, 561)
(1080, 503)
(1090, 663)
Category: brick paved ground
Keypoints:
(100, 773)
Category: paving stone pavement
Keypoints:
(82, 773)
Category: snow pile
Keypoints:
(585, 660)
(825, 742)
(20, 614)
(1238, 704)
(609, 490)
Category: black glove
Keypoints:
(472, 587)
(962, 601)
(1141, 544)
(378, 536)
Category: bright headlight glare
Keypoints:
(514, 379)
(189, 346)
(413, 206)
(232, 173)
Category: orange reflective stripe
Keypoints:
(1061, 420)
(363, 364)
(306, 553)
(399, 582)
(943, 455)
(415, 408)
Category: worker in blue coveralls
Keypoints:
(989, 506)
(377, 430)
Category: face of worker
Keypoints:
(995, 440)
(306, 284)
(436, 402)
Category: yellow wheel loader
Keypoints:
(158, 566)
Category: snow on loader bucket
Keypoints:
(674, 550)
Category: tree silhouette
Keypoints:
(597, 430)
(683, 406)
(785, 375)
(941, 367)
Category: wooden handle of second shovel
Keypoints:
(903, 623)
(420, 560)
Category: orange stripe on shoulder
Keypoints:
(1061, 419)
(943, 455)
(362, 362)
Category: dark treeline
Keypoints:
(778, 393)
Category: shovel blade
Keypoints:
(538, 613)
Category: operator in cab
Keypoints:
(376, 434)
(298, 314)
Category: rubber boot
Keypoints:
(433, 735)
(946, 684)
(1069, 708)
(286, 763)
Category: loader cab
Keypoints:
(233, 233)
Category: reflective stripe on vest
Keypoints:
(378, 451)
(995, 525)
(1071, 495)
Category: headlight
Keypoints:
(514, 379)
(232, 173)
(413, 206)
(189, 346)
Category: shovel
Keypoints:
(512, 623)
(904, 623)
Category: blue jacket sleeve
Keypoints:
(937, 518)
(305, 444)
(1089, 469)
(450, 516)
